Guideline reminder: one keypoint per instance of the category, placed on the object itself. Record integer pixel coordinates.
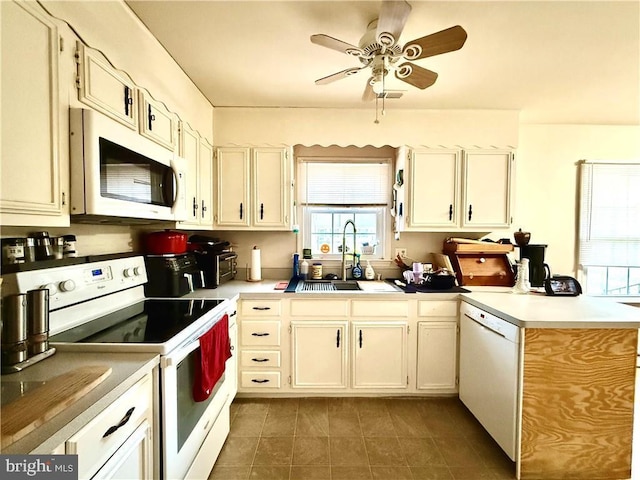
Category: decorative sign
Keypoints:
(325, 248)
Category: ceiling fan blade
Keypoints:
(335, 44)
(417, 76)
(444, 41)
(338, 76)
(393, 16)
(368, 93)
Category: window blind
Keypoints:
(346, 183)
(609, 230)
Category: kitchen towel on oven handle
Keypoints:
(215, 349)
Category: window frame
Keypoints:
(585, 228)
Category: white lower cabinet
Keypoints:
(349, 345)
(117, 444)
(319, 354)
(437, 347)
(379, 355)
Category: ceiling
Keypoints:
(556, 62)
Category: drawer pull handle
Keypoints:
(260, 334)
(262, 308)
(260, 360)
(258, 380)
(122, 422)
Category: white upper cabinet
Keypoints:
(232, 167)
(104, 88)
(487, 188)
(198, 154)
(434, 189)
(157, 123)
(451, 190)
(34, 184)
(254, 188)
(271, 179)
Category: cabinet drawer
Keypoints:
(260, 358)
(437, 308)
(92, 444)
(379, 308)
(260, 380)
(319, 308)
(260, 308)
(260, 332)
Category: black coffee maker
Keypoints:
(538, 270)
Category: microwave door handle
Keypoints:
(201, 277)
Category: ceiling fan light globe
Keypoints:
(386, 39)
(377, 87)
(412, 52)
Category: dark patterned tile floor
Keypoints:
(358, 438)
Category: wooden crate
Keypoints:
(476, 264)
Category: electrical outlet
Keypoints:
(401, 251)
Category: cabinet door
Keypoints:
(379, 354)
(487, 188)
(132, 460)
(319, 354)
(434, 192)
(157, 123)
(231, 368)
(104, 88)
(189, 146)
(437, 365)
(205, 177)
(34, 178)
(232, 182)
(271, 188)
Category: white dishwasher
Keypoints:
(490, 372)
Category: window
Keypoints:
(335, 190)
(609, 231)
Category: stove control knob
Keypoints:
(51, 287)
(67, 286)
(129, 272)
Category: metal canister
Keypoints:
(29, 250)
(38, 321)
(44, 250)
(14, 329)
(13, 251)
(57, 247)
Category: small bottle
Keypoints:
(369, 273)
(356, 271)
(304, 269)
(296, 265)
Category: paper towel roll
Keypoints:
(256, 269)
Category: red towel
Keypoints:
(215, 349)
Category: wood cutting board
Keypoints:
(38, 406)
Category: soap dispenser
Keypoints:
(369, 274)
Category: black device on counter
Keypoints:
(172, 275)
(215, 258)
(562, 286)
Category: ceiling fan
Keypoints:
(380, 51)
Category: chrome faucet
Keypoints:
(344, 246)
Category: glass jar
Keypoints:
(316, 271)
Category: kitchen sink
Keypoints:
(326, 285)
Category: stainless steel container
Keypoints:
(44, 249)
(38, 321)
(14, 329)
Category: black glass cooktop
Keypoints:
(149, 321)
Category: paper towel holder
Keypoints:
(254, 272)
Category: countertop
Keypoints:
(127, 369)
(533, 310)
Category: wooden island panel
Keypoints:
(577, 403)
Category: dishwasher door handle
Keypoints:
(485, 327)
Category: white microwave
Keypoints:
(115, 172)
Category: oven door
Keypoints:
(185, 422)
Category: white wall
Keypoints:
(547, 176)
